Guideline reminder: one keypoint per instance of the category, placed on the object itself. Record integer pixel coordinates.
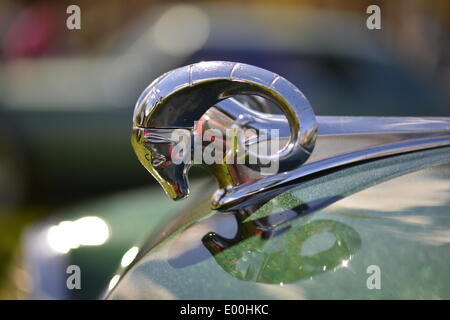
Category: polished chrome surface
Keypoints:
(179, 98)
(224, 95)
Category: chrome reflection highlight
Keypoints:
(129, 257)
(86, 231)
(113, 282)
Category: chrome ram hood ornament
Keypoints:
(220, 115)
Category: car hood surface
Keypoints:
(320, 239)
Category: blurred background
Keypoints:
(67, 96)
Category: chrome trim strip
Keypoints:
(239, 195)
(342, 135)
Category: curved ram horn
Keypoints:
(179, 98)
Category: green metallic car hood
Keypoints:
(319, 239)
